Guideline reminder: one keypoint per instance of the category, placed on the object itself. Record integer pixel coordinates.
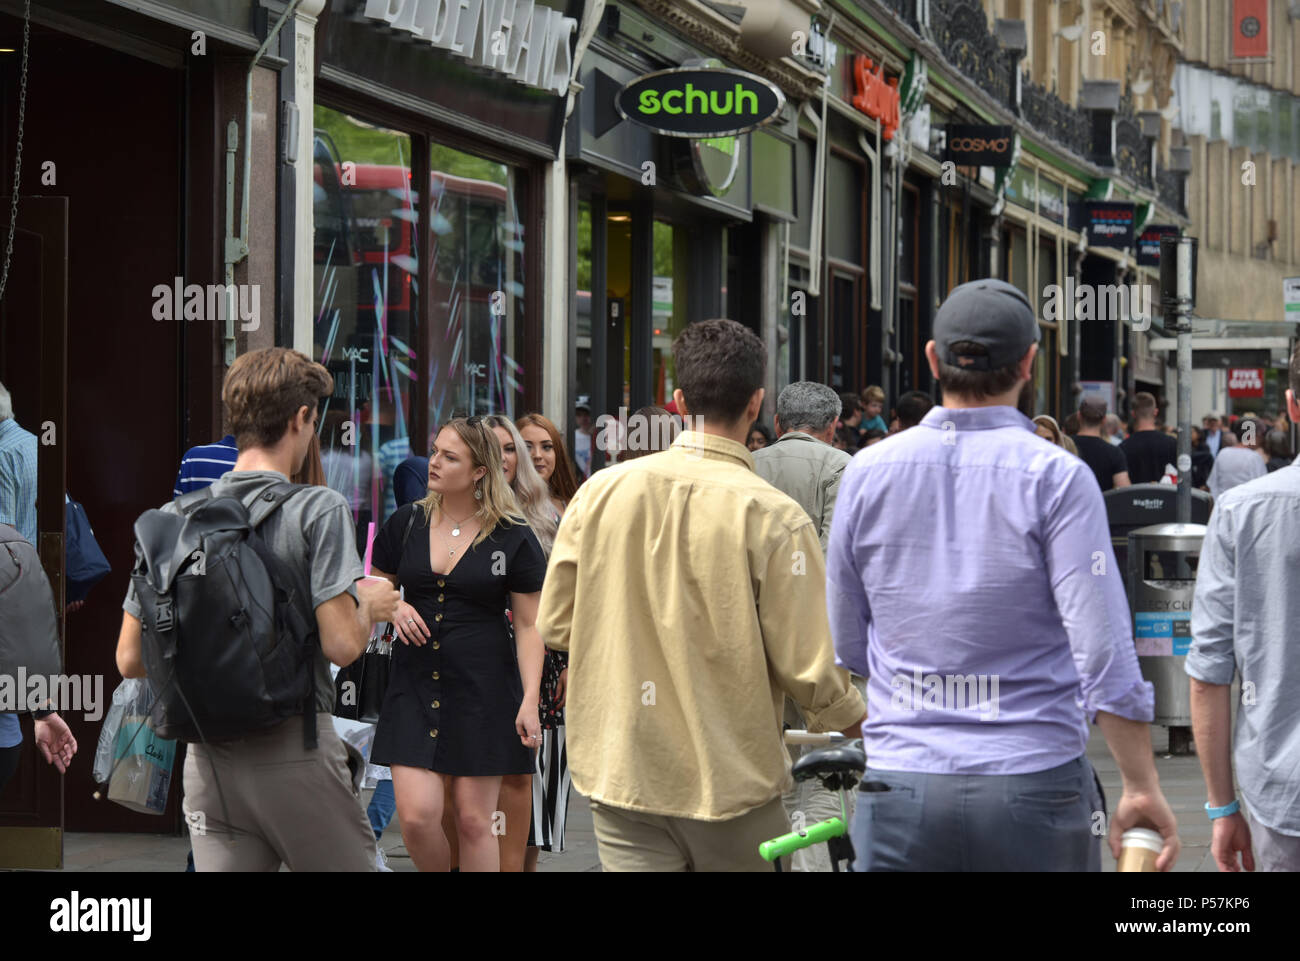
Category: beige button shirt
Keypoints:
(691, 596)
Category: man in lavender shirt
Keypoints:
(971, 579)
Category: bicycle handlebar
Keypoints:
(787, 844)
(827, 738)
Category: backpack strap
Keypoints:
(263, 506)
(186, 503)
(270, 500)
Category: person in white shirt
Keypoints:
(1241, 462)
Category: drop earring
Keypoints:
(478, 493)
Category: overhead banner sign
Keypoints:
(1109, 224)
(1246, 382)
(1249, 29)
(700, 102)
(980, 145)
(530, 43)
(1148, 246)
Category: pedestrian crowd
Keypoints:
(645, 632)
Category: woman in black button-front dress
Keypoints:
(461, 708)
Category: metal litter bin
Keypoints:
(1162, 561)
(1141, 505)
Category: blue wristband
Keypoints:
(1224, 811)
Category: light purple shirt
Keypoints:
(970, 577)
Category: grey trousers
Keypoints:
(285, 804)
(979, 822)
(1273, 850)
(808, 802)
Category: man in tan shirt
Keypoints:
(690, 595)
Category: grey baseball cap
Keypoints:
(988, 312)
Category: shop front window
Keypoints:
(391, 372)
(366, 239)
(668, 310)
(474, 347)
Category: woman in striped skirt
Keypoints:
(543, 798)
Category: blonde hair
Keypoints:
(530, 490)
(498, 504)
(874, 393)
(1059, 437)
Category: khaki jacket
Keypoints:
(807, 470)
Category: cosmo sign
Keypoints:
(520, 39)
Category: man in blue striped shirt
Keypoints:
(203, 465)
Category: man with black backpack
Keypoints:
(241, 595)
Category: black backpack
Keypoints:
(227, 652)
(29, 624)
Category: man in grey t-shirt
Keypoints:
(263, 800)
(1244, 618)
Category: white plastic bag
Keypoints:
(130, 756)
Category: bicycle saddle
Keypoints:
(845, 759)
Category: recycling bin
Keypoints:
(1141, 505)
(1162, 561)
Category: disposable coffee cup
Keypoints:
(1139, 848)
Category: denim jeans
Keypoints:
(979, 822)
(382, 807)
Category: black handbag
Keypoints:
(360, 688)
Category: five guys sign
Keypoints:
(1246, 382)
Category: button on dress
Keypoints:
(451, 703)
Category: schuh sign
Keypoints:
(700, 102)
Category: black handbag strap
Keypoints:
(406, 535)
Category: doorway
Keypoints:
(645, 267)
(33, 361)
(114, 396)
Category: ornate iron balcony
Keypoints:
(961, 32)
(1132, 149)
(1048, 114)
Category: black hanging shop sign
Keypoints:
(695, 102)
(980, 145)
(1148, 246)
(1110, 224)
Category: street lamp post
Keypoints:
(1177, 299)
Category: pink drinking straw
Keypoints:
(370, 545)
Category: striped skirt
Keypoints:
(550, 792)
